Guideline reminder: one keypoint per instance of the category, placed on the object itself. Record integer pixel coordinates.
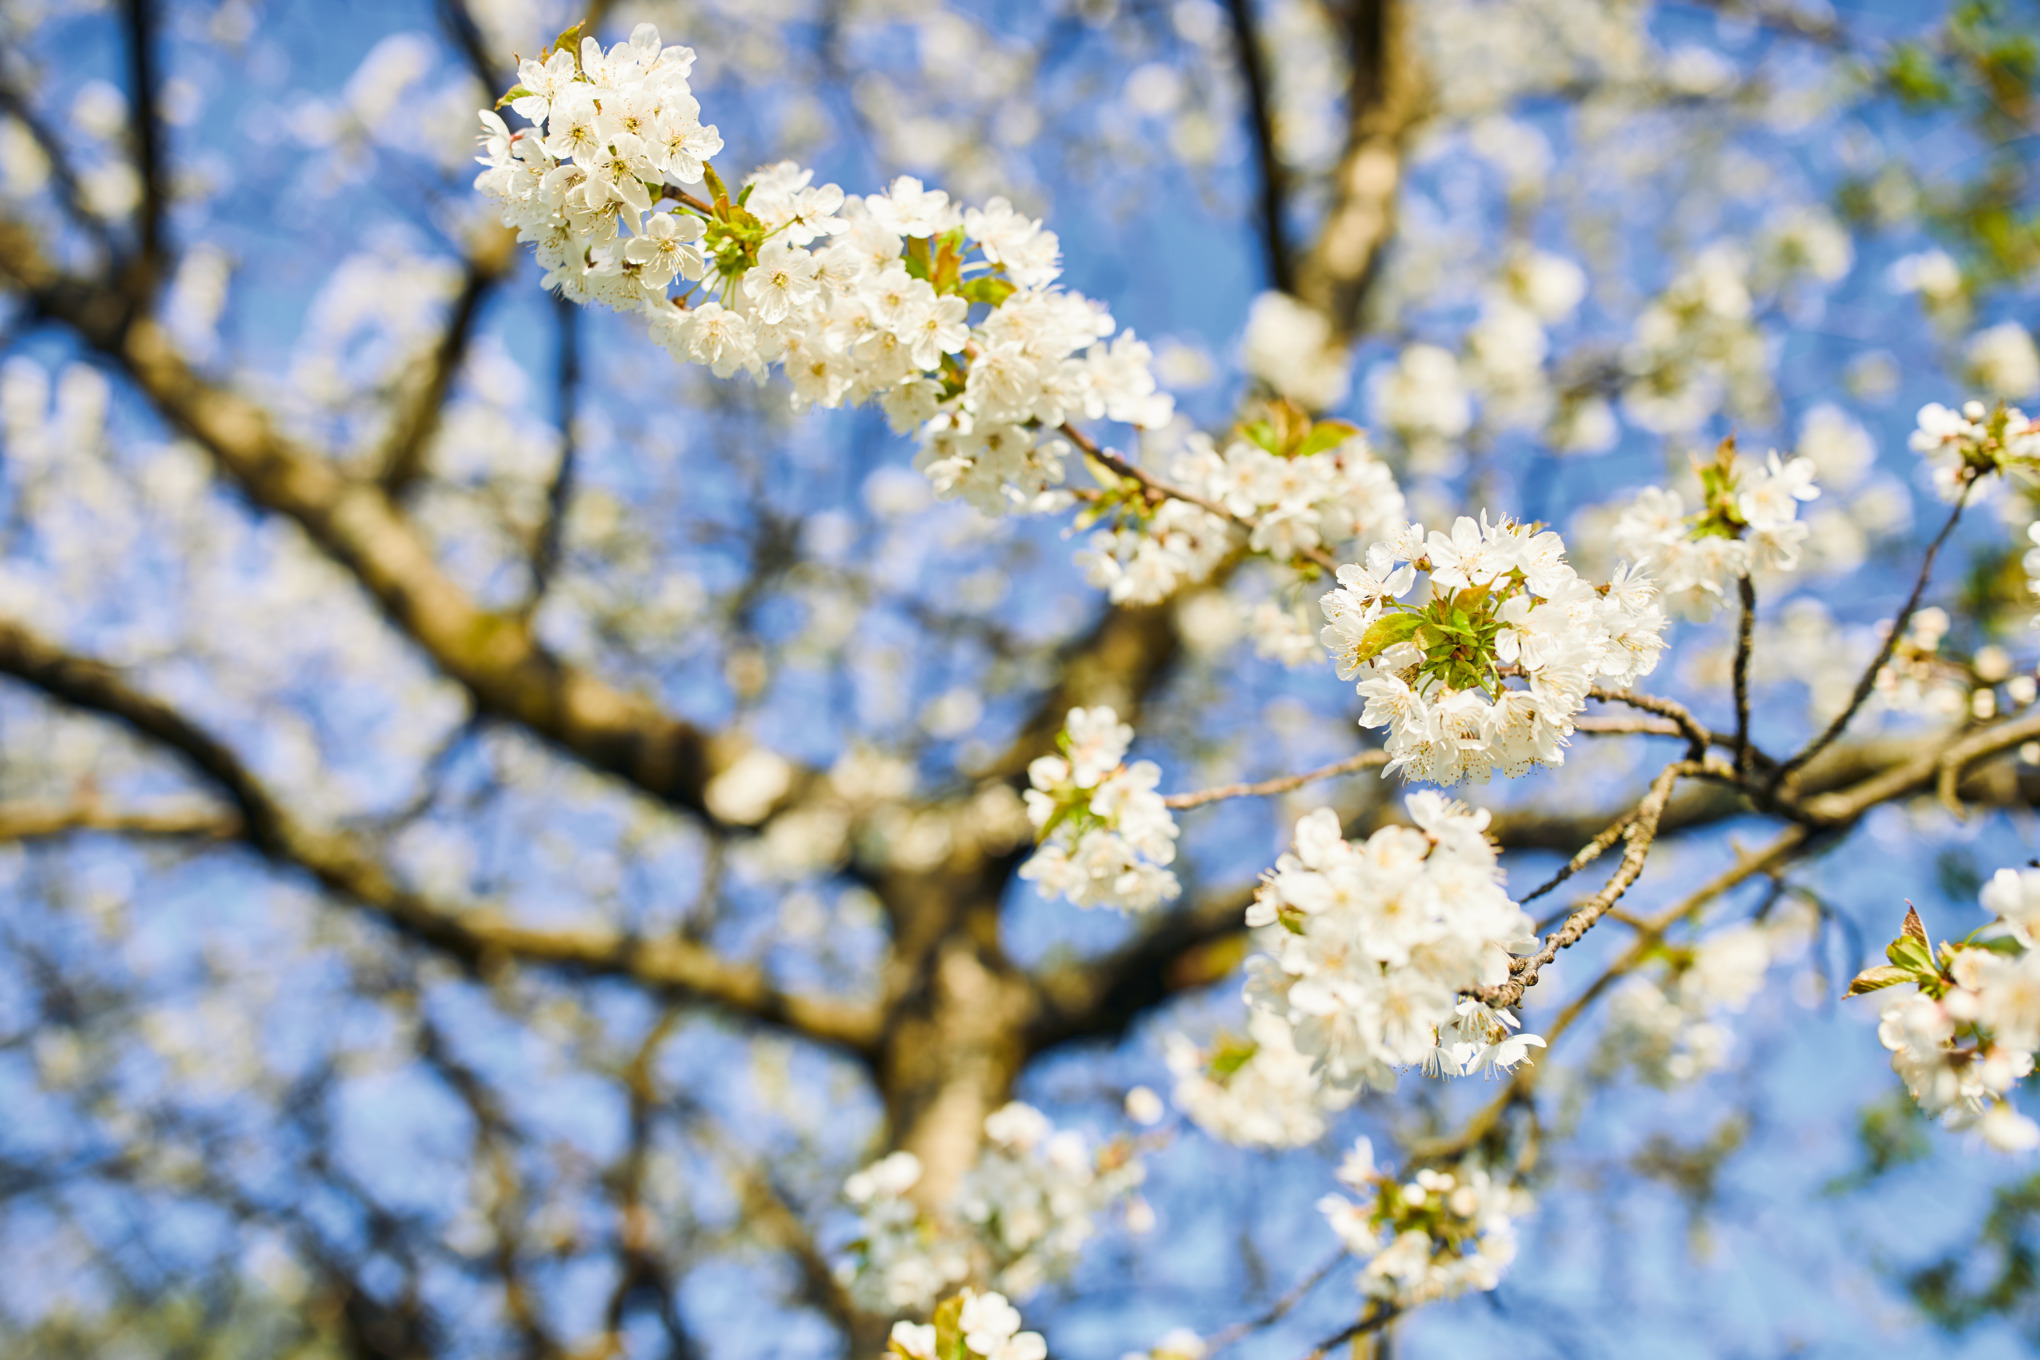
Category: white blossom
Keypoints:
(1379, 940)
(1106, 836)
(855, 300)
(1017, 1219)
(1500, 596)
(1433, 1237)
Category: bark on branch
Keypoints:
(496, 656)
(476, 935)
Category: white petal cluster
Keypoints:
(1919, 678)
(1960, 1051)
(1669, 1027)
(1749, 522)
(2031, 560)
(1697, 347)
(1106, 836)
(854, 299)
(896, 1266)
(1378, 941)
(2003, 361)
(1018, 1219)
(1263, 1093)
(610, 129)
(987, 1324)
(1433, 1237)
(1501, 595)
(1975, 441)
(1424, 399)
(1290, 350)
(1296, 504)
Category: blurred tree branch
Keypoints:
(477, 936)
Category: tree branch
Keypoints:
(423, 404)
(1261, 127)
(146, 129)
(1366, 760)
(1745, 638)
(1385, 104)
(1640, 833)
(1868, 680)
(477, 936)
(496, 656)
(27, 820)
(545, 557)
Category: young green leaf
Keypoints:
(1385, 632)
(1326, 434)
(1871, 979)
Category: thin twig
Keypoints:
(1744, 643)
(1627, 727)
(1277, 1310)
(1156, 486)
(422, 406)
(545, 558)
(1519, 1088)
(1376, 1317)
(1868, 680)
(1640, 832)
(1586, 855)
(1364, 761)
(1697, 737)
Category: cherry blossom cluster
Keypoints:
(983, 1325)
(1502, 602)
(1432, 1237)
(1017, 1220)
(2031, 560)
(1974, 442)
(1300, 487)
(948, 318)
(1667, 1025)
(1379, 939)
(1920, 677)
(1968, 1032)
(1259, 1091)
(1748, 521)
(1105, 835)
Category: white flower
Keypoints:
(1502, 597)
(1382, 937)
(908, 209)
(667, 245)
(818, 286)
(1017, 1220)
(916, 1339)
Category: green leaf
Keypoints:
(1230, 1055)
(1871, 979)
(1385, 632)
(1326, 434)
(717, 190)
(569, 41)
(515, 92)
(1909, 954)
(948, 1322)
(917, 261)
(1262, 433)
(986, 289)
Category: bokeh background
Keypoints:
(246, 1112)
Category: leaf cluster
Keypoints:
(1288, 431)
